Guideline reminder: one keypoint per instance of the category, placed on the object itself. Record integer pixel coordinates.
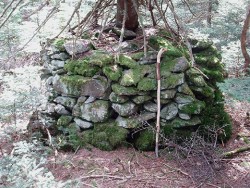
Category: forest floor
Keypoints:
(126, 167)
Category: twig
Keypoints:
(236, 151)
(71, 17)
(13, 9)
(176, 169)
(158, 77)
(6, 8)
(196, 68)
(105, 176)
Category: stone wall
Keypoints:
(103, 97)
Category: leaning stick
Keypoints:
(158, 77)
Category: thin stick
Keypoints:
(13, 9)
(6, 8)
(158, 77)
(71, 17)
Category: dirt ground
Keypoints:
(129, 168)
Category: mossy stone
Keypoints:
(131, 77)
(81, 67)
(207, 91)
(158, 42)
(141, 99)
(147, 84)
(214, 75)
(200, 45)
(126, 61)
(172, 81)
(118, 98)
(184, 88)
(192, 108)
(214, 117)
(145, 140)
(121, 90)
(100, 58)
(64, 121)
(180, 123)
(59, 44)
(113, 72)
(197, 81)
(106, 136)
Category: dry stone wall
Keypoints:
(107, 97)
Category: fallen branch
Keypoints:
(236, 151)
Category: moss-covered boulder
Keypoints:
(81, 67)
(125, 109)
(113, 72)
(114, 98)
(100, 58)
(145, 140)
(80, 86)
(121, 90)
(106, 136)
(97, 111)
(126, 61)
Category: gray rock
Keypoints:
(150, 106)
(168, 94)
(50, 108)
(58, 64)
(77, 47)
(183, 99)
(118, 98)
(83, 124)
(192, 108)
(98, 111)
(59, 72)
(68, 102)
(61, 56)
(128, 34)
(180, 123)
(80, 86)
(172, 81)
(77, 108)
(127, 123)
(150, 59)
(169, 111)
(184, 116)
(90, 100)
(145, 116)
(181, 65)
(141, 99)
(60, 109)
(184, 88)
(125, 109)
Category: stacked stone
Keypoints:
(99, 87)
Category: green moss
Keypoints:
(131, 77)
(145, 140)
(75, 81)
(192, 108)
(157, 42)
(200, 45)
(121, 90)
(126, 61)
(81, 67)
(59, 44)
(147, 84)
(100, 58)
(106, 136)
(214, 75)
(141, 99)
(214, 117)
(113, 72)
(207, 91)
(180, 123)
(118, 98)
(64, 121)
(137, 56)
(172, 81)
(197, 81)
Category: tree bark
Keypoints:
(243, 40)
(132, 22)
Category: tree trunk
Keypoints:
(132, 22)
(209, 13)
(243, 40)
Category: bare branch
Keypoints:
(13, 9)
(6, 8)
